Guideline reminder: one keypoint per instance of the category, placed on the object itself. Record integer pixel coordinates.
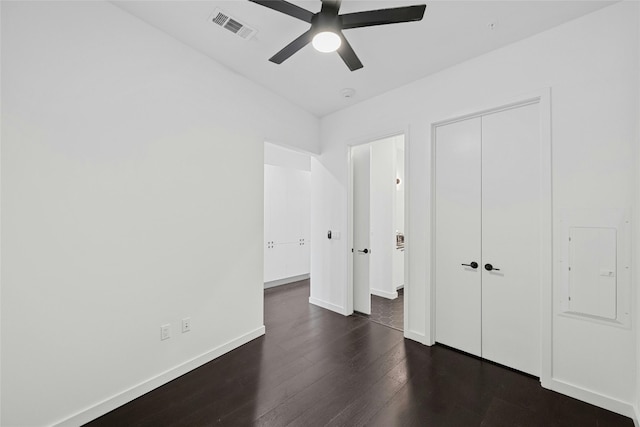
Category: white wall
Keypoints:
(591, 66)
(132, 183)
(276, 155)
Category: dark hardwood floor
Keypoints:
(316, 368)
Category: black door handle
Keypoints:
(366, 251)
(490, 267)
(472, 265)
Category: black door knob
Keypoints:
(366, 251)
(490, 267)
(472, 265)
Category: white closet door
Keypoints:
(275, 203)
(299, 202)
(272, 268)
(511, 238)
(458, 235)
(301, 187)
(269, 182)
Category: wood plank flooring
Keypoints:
(318, 368)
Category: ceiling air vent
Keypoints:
(222, 19)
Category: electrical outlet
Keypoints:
(186, 324)
(165, 332)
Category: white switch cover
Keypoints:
(165, 332)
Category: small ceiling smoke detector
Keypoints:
(348, 92)
(492, 26)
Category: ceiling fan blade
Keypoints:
(382, 16)
(292, 48)
(348, 55)
(286, 8)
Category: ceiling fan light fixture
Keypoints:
(326, 26)
(326, 41)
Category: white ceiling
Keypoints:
(393, 55)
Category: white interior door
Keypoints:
(487, 196)
(360, 161)
(458, 235)
(511, 238)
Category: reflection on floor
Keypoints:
(388, 312)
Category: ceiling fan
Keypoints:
(326, 26)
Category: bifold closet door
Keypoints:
(458, 235)
(511, 238)
(487, 237)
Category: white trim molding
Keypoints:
(285, 281)
(119, 399)
(594, 398)
(384, 294)
(329, 306)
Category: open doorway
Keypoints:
(287, 212)
(377, 208)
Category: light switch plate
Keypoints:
(165, 332)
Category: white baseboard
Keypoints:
(113, 402)
(636, 417)
(594, 398)
(415, 336)
(328, 306)
(384, 294)
(285, 281)
(399, 287)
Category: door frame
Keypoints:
(541, 97)
(349, 289)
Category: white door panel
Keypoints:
(457, 235)
(298, 203)
(511, 238)
(360, 158)
(275, 259)
(297, 256)
(487, 210)
(278, 202)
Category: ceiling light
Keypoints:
(326, 42)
